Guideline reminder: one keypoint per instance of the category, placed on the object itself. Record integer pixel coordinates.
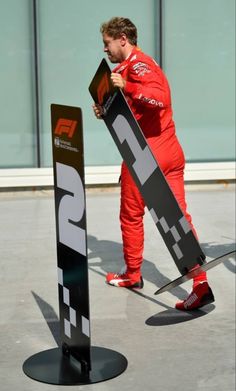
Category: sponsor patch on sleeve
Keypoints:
(140, 68)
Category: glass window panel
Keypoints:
(71, 49)
(17, 147)
(199, 60)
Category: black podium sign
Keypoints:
(68, 166)
(146, 172)
(75, 362)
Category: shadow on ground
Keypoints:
(110, 257)
(172, 316)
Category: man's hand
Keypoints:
(117, 80)
(97, 111)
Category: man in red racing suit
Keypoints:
(148, 94)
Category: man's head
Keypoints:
(119, 37)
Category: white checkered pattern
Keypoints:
(72, 313)
(173, 230)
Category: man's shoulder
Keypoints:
(138, 56)
(140, 63)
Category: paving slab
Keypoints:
(165, 348)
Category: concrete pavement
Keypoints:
(166, 349)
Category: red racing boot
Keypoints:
(126, 280)
(200, 296)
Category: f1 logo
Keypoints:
(65, 126)
(103, 88)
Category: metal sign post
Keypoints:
(75, 361)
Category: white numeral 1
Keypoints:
(144, 164)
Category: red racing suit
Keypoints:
(148, 95)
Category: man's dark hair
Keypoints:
(117, 26)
